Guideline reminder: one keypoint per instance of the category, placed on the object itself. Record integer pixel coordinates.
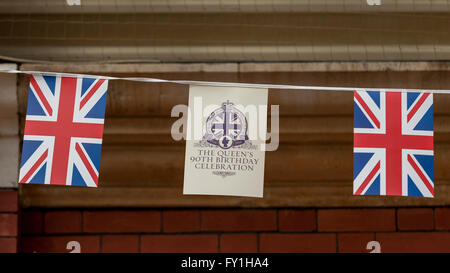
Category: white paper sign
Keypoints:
(226, 133)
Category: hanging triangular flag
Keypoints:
(393, 143)
(63, 131)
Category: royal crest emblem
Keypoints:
(226, 127)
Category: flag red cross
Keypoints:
(394, 142)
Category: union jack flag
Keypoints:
(393, 143)
(63, 131)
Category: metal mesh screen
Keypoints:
(220, 31)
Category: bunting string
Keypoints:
(229, 84)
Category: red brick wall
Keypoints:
(237, 230)
(8, 221)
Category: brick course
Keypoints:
(9, 220)
(415, 219)
(356, 220)
(58, 244)
(8, 245)
(230, 230)
(239, 243)
(120, 221)
(442, 216)
(296, 220)
(62, 222)
(181, 221)
(120, 244)
(179, 243)
(8, 201)
(354, 242)
(32, 222)
(239, 220)
(411, 242)
(8, 224)
(316, 243)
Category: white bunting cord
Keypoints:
(229, 84)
